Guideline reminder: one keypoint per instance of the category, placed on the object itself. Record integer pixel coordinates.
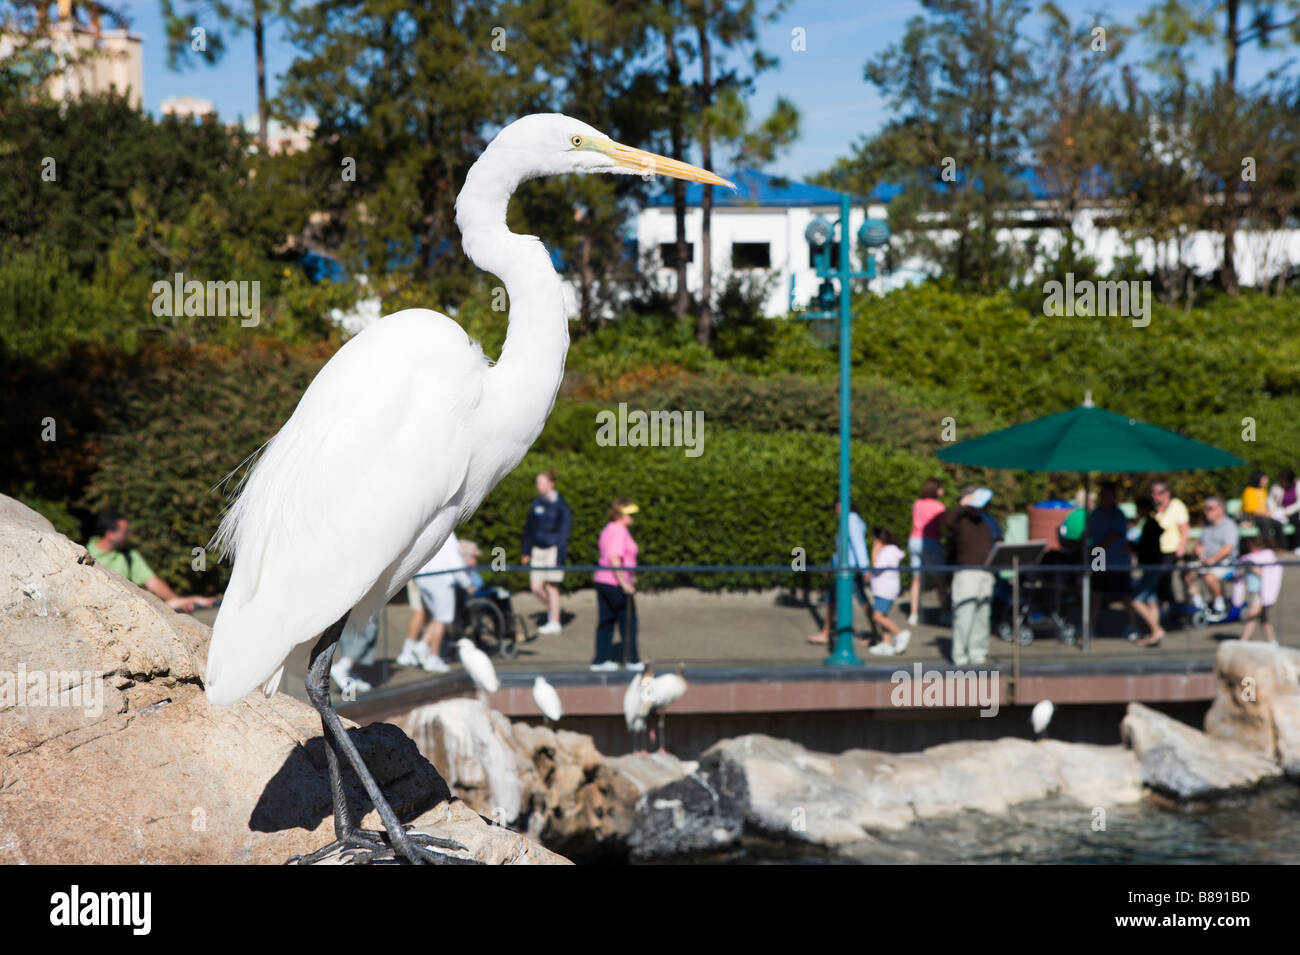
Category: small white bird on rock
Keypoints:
(479, 666)
(665, 690)
(1040, 716)
(547, 700)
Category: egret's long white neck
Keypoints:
(528, 372)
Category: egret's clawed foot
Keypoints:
(364, 847)
(359, 848)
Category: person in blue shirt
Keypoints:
(859, 559)
(546, 545)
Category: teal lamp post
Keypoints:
(819, 234)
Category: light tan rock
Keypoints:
(1257, 704)
(555, 785)
(1181, 761)
(134, 765)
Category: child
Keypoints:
(885, 558)
(1263, 584)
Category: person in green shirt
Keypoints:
(110, 548)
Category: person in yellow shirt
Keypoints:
(1175, 528)
(111, 548)
(1254, 500)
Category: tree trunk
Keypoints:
(584, 274)
(1231, 180)
(259, 45)
(704, 330)
(679, 187)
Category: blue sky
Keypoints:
(825, 82)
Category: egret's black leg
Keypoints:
(410, 846)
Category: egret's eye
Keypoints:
(576, 141)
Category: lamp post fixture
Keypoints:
(819, 233)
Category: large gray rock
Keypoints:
(133, 765)
(780, 790)
(1257, 705)
(1180, 761)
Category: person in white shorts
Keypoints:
(438, 594)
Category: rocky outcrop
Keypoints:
(1257, 705)
(777, 789)
(110, 753)
(554, 785)
(1180, 761)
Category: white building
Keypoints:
(757, 231)
(186, 107)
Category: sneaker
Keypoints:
(410, 655)
(606, 667)
(635, 667)
(1219, 605)
(435, 664)
(344, 678)
(913, 620)
(901, 641)
(882, 650)
(1198, 601)
(550, 627)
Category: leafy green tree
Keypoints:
(962, 82)
(1176, 26)
(190, 32)
(721, 28)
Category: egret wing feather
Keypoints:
(355, 475)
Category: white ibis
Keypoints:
(665, 690)
(479, 666)
(637, 702)
(547, 700)
(1040, 716)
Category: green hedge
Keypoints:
(1200, 372)
(750, 498)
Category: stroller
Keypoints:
(1049, 602)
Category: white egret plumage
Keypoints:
(547, 700)
(397, 440)
(1040, 716)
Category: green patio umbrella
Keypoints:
(1087, 439)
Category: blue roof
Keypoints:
(763, 189)
(758, 189)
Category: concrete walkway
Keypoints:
(763, 629)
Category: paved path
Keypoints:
(702, 629)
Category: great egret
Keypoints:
(397, 440)
(547, 700)
(637, 702)
(1040, 716)
(479, 666)
(666, 689)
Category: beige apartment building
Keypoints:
(105, 59)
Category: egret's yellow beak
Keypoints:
(650, 164)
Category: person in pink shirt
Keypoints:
(1263, 585)
(925, 545)
(615, 589)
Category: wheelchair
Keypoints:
(487, 618)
